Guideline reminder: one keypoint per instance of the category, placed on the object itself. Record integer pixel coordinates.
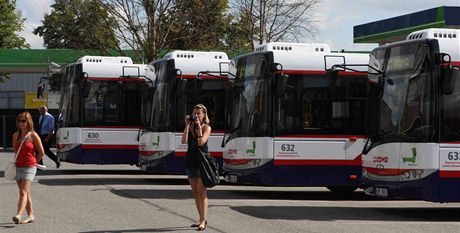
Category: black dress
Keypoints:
(193, 153)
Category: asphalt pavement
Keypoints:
(119, 198)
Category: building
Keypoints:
(397, 28)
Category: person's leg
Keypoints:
(48, 152)
(29, 209)
(203, 202)
(193, 184)
(24, 187)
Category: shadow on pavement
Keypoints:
(326, 213)
(7, 225)
(53, 172)
(112, 181)
(238, 194)
(166, 229)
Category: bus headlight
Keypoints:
(412, 175)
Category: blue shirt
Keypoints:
(47, 124)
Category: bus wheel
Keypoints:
(342, 189)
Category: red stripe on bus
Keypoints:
(386, 171)
(323, 72)
(213, 153)
(202, 77)
(115, 79)
(107, 147)
(147, 152)
(449, 174)
(237, 161)
(319, 162)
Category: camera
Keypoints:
(192, 117)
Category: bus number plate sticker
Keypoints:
(381, 192)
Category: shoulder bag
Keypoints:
(209, 170)
(10, 167)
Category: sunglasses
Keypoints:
(22, 121)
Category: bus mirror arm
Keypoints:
(335, 67)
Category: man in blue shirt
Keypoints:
(46, 132)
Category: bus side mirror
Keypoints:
(276, 67)
(449, 79)
(86, 87)
(198, 85)
(281, 83)
(181, 84)
(41, 88)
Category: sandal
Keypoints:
(196, 224)
(202, 228)
(17, 219)
(29, 219)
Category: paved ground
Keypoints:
(91, 198)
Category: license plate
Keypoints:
(381, 192)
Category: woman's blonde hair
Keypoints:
(28, 118)
(205, 111)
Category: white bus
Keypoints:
(100, 106)
(414, 152)
(183, 79)
(292, 123)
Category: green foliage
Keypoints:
(10, 23)
(79, 24)
(200, 25)
(238, 34)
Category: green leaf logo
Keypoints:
(411, 159)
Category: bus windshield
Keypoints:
(111, 103)
(407, 104)
(251, 108)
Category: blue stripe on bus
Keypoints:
(100, 156)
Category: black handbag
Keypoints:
(209, 170)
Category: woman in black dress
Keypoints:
(196, 134)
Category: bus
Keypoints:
(414, 150)
(100, 110)
(183, 79)
(292, 122)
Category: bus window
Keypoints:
(450, 116)
(311, 107)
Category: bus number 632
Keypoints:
(287, 147)
(453, 155)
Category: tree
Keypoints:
(273, 20)
(237, 35)
(142, 25)
(79, 24)
(201, 26)
(11, 22)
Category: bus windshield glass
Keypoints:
(111, 103)
(407, 104)
(251, 108)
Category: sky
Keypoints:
(335, 18)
